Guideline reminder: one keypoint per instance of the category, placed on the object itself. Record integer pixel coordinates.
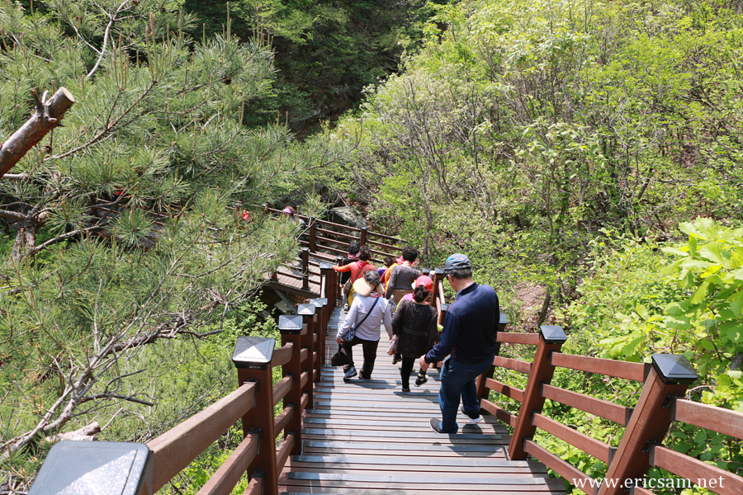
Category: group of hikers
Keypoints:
(396, 296)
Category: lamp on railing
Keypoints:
(321, 303)
(95, 468)
(307, 312)
(252, 358)
(291, 328)
(670, 376)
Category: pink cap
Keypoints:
(425, 281)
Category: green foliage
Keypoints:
(123, 242)
(327, 51)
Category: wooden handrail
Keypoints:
(283, 354)
(608, 367)
(512, 364)
(338, 234)
(510, 392)
(502, 414)
(709, 417)
(563, 468)
(326, 239)
(388, 237)
(597, 407)
(590, 446)
(283, 419)
(284, 451)
(517, 338)
(176, 448)
(717, 480)
(229, 473)
(281, 388)
(255, 487)
(382, 245)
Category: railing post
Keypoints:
(305, 268)
(669, 377)
(331, 286)
(95, 467)
(307, 311)
(482, 390)
(252, 358)
(321, 303)
(291, 328)
(313, 235)
(551, 338)
(364, 233)
(337, 281)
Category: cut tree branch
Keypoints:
(46, 117)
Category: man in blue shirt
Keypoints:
(469, 339)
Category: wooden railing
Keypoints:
(119, 467)
(665, 381)
(326, 239)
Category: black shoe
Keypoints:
(406, 389)
(396, 359)
(435, 425)
(473, 419)
(422, 378)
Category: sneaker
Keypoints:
(346, 307)
(473, 419)
(422, 378)
(435, 425)
(406, 389)
(350, 373)
(396, 359)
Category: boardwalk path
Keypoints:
(368, 438)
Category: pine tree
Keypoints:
(136, 222)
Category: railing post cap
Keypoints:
(306, 249)
(325, 266)
(253, 353)
(674, 368)
(445, 307)
(94, 468)
(425, 271)
(319, 302)
(439, 272)
(306, 309)
(503, 320)
(552, 334)
(289, 324)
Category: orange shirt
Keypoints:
(357, 269)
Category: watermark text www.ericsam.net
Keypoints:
(649, 483)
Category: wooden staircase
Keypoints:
(368, 437)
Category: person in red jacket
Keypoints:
(358, 268)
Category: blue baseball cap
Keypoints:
(457, 261)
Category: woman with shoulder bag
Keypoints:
(368, 312)
(415, 324)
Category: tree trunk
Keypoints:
(45, 118)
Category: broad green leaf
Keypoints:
(700, 294)
(736, 305)
(674, 251)
(711, 252)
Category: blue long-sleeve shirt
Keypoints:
(470, 327)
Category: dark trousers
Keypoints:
(370, 355)
(405, 370)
